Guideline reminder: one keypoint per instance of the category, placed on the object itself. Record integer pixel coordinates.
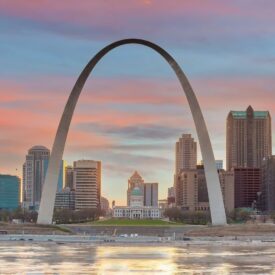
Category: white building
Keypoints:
(136, 210)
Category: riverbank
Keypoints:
(262, 240)
(152, 232)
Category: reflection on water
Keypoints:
(33, 258)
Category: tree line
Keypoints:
(238, 215)
(60, 215)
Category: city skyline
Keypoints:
(129, 128)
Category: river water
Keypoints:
(51, 258)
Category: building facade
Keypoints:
(34, 171)
(186, 153)
(65, 199)
(9, 192)
(151, 194)
(247, 183)
(61, 177)
(171, 200)
(136, 209)
(267, 190)
(87, 182)
(69, 177)
(248, 138)
(134, 181)
(219, 164)
(191, 190)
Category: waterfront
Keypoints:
(67, 258)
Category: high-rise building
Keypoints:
(151, 194)
(34, 171)
(267, 191)
(191, 190)
(247, 182)
(248, 138)
(87, 182)
(69, 177)
(186, 153)
(61, 177)
(9, 192)
(134, 181)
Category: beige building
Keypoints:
(87, 183)
(186, 153)
(191, 191)
(248, 138)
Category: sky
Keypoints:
(132, 109)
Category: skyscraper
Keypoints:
(87, 182)
(134, 181)
(34, 171)
(191, 190)
(247, 183)
(69, 177)
(267, 190)
(186, 153)
(151, 194)
(9, 192)
(248, 138)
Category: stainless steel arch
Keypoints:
(213, 184)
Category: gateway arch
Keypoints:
(213, 184)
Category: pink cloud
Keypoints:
(149, 19)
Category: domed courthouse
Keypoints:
(142, 201)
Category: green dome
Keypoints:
(136, 192)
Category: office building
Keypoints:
(267, 190)
(134, 181)
(248, 138)
(191, 190)
(186, 153)
(87, 182)
(151, 194)
(65, 199)
(69, 177)
(34, 171)
(247, 182)
(9, 192)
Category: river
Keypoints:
(50, 258)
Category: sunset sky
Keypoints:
(132, 109)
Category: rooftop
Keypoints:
(243, 114)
